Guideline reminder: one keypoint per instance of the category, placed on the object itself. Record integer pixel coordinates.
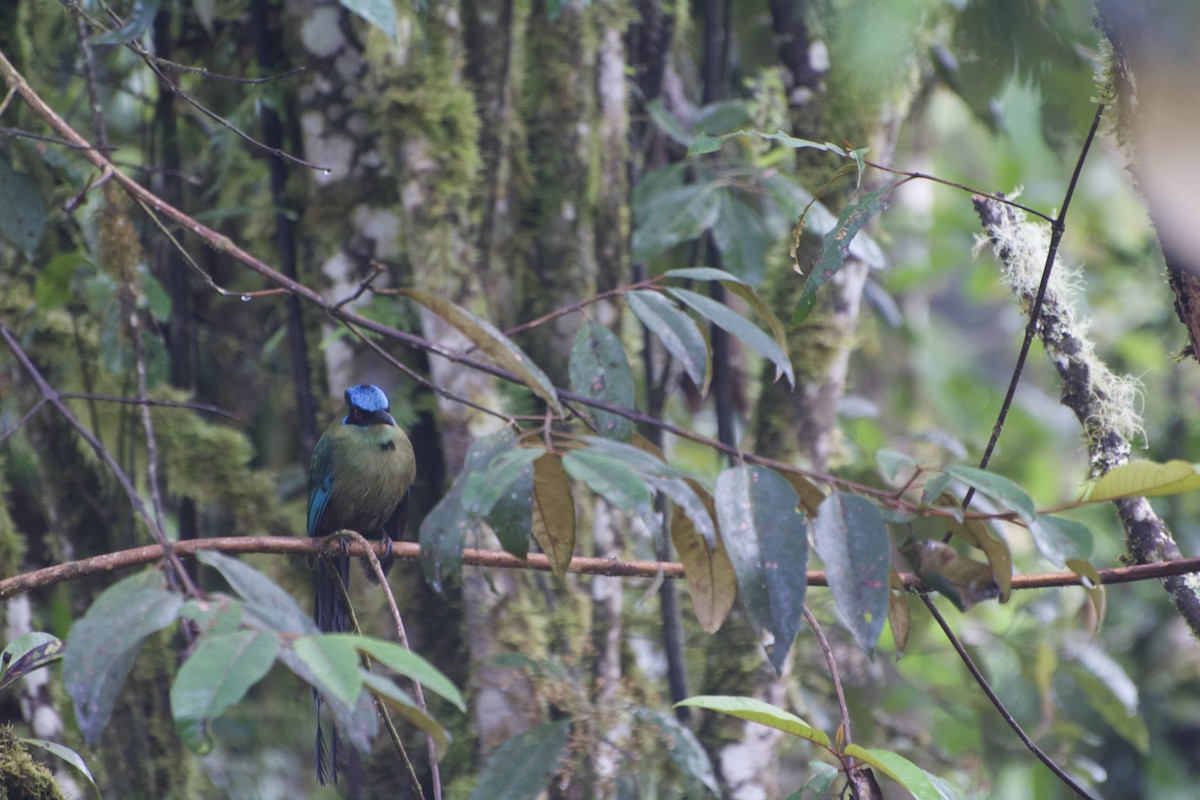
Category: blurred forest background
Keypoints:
(518, 157)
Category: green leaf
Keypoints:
(600, 370)
(483, 490)
(66, 754)
(399, 701)
(997, 487)
(333, 660)
(899, 769)
(890, 463)
(358, 723)
(1111, 694)
(749, 333)
(553, 513)
(741, 235)
(711, 144)
(836, 248)
(677, 332)
(703, 274)
(1144, 479)
(217, 613)
(648, 462)
(934, 488)
(24, 216)
(767, 541)
(103, 645)
(673, 215)
(743, 290)
(682, 746)
(752, 710)
(407, 663)
(380, 13)
(53, 287)
(217, 676)
(852, 540)
(667, 122)
(1061, 540)
(821, 781)
(611, 479)
(140, 20)
(487, 338)
(711, 581)
(512, 515)
(263, 599)
(442, 536)
(521, 768)
(26, 653)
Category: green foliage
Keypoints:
(228, 659)
(26, 220)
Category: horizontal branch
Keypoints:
(497, 559)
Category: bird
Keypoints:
(358, 479)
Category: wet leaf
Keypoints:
(380, 13)
(767, 541)
(104, 644)
(852, 540)
(600, 370)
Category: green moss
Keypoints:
(22, 778)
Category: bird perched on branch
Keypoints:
(361, 470)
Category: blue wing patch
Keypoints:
(318, 498)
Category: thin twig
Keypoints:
(418, 691)
(150, 401)
(1057, 226)
(135, 500)
(28, 415)
(1059, 772)
(337, 540)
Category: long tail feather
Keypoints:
(331, 615)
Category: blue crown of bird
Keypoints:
(358, 479)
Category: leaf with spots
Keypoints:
(767, 540)
(836, 248)
(600, 370)
(853, 541)
(444, 529)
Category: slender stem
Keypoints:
(999, 705)
(418, 692)
(1057, 226)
